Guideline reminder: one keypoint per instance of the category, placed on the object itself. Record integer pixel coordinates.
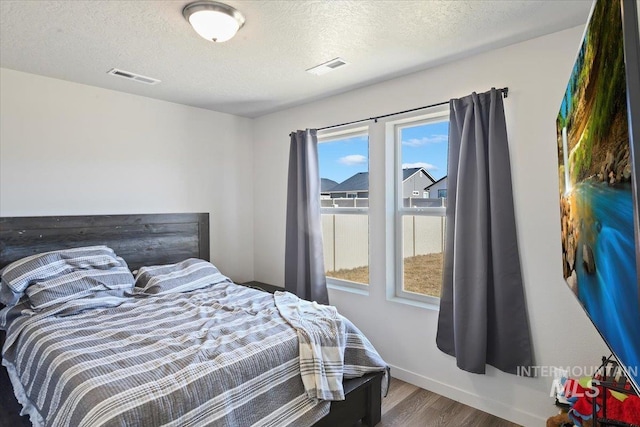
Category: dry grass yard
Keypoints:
(422, 274)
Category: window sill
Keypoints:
(349, 289)
(420, 304)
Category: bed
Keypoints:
(58, 380)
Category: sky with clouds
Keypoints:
(422, 146)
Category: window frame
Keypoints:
(432, 115)
(345, 132)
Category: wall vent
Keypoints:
(327, 66)
(133, 76)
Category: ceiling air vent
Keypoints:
(327, 66)
(133, 76)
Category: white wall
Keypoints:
(536, 73)
(68, 149)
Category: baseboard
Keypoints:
(481, 403)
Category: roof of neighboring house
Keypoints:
(408, 172)
(431, 185)
(360, 181)
(326, 184)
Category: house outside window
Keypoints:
(438, 190)
(409, 161)
(344, 167)
(420, 142)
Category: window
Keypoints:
(343, 159)
(421, 148)
(400, 165)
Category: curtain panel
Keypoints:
(483, 314)
(304, 258)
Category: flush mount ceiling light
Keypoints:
(214, 21)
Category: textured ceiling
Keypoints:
(262, 69)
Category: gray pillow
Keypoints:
(18, 275)
(79, 284)
(184, 276)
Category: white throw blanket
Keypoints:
(322, 335)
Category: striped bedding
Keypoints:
(79, 284)
(321, 333)
(17, 276)
(184, 276)
(218, 356)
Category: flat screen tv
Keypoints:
(598, 156)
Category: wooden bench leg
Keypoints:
(374, 404)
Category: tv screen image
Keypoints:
(598, 202)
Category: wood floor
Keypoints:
(405, 406)
(409, 406)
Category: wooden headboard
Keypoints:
(147, 239)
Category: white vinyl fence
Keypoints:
(346, 239)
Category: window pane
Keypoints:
(344, 172)
(423, 150)
(344, 168)
(423, 254)
(346, 247)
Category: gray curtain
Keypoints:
(483, 315)
(304, 273)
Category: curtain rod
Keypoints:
(504, 90)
